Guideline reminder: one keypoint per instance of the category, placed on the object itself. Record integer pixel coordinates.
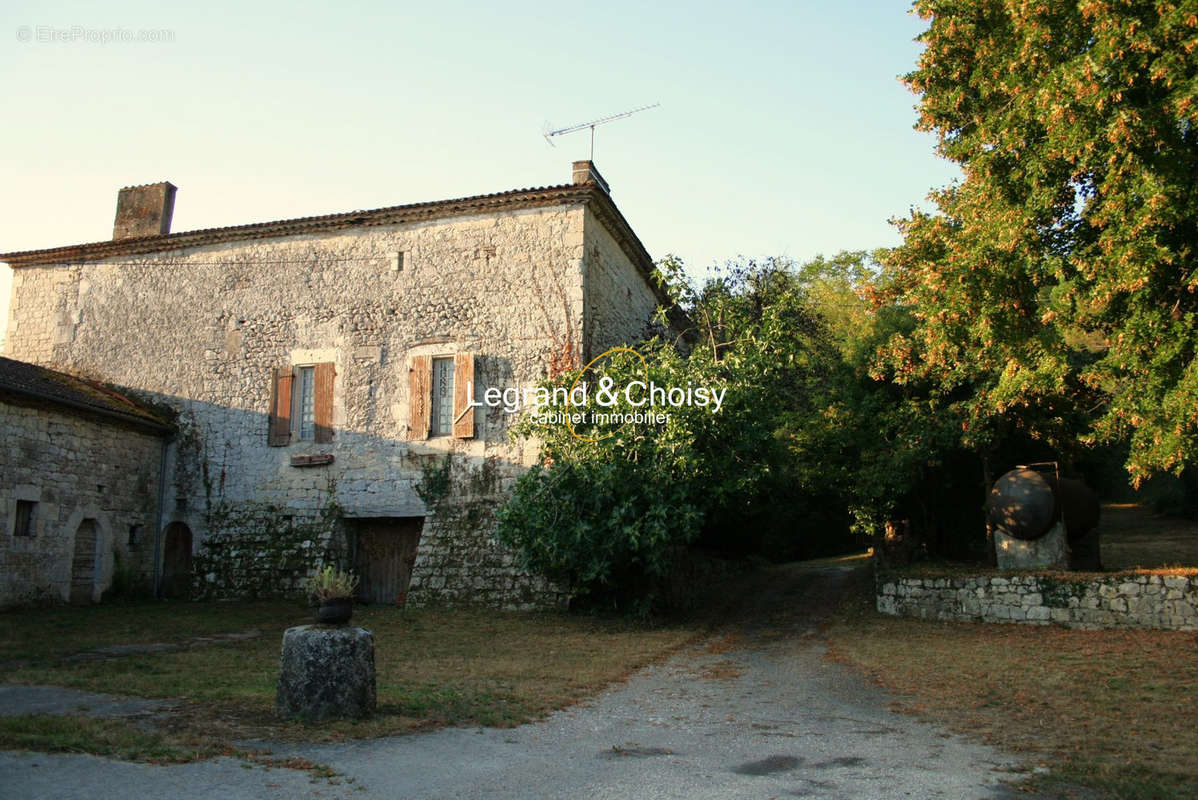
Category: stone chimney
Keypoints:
(585, 172)
(144, 210)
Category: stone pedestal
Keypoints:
(1046, 552)
(326, 672)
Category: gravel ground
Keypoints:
(756, 711)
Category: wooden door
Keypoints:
(384, 553)
(83, 564)
(176, 561)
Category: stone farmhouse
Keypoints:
(71, 509)
(317, 372)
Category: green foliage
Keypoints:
(606, 518)
(812, 436)
(1054, 288)
(611, 518)
(332, 583)
(128, 583)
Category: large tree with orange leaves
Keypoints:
(1055, 284)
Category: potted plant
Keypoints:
(333, 589)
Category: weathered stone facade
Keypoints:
(89, 488)
(524, 282)
(1122, 600)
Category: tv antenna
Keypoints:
(550, 134)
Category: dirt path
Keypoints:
(754, 711)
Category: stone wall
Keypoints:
(454, 567)
(202, 330)
(619, 302)
(75, 468)
(255, 550)
(1122, 600)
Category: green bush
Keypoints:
(610, 512)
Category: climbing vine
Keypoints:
(461, 500)
(257, 550)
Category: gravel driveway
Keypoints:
(755, 712)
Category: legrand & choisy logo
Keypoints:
(604, 403)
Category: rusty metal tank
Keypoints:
(1026, 504)
(1079, 507)
(1023, 503)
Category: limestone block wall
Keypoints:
(460, 569)
(75, 469)
(1122, 600)
(619, 302)
(202, 330)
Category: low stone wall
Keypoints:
(1126, 600)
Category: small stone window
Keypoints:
(134, 535)
(25, 518)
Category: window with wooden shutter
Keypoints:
(441, 407)
(323, 401)
(279, 431)
(463, 387)
(303, 409)
(420, 395)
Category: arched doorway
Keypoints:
(176, 561)
(83, 563)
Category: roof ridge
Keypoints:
(429, 209)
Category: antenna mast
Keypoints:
(550, 134)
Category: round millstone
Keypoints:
(326, 673)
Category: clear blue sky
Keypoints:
(783, 128)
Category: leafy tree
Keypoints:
(892, 449)
(1054, 288)
(611, 518)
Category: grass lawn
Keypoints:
(1113, 710)
(434, 667)
(1133, 537)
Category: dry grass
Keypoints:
(117, 738)
(722, 670)
(43, 635)
(725, 643)
(128, 740)
(1112, 709)
(1134, 542)
(1135, 538)
(433, 667)
(852, 560)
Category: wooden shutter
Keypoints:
(420, 395)
(279, 433)
(322, 405)
(463, 388)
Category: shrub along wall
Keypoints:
(1120, 600)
